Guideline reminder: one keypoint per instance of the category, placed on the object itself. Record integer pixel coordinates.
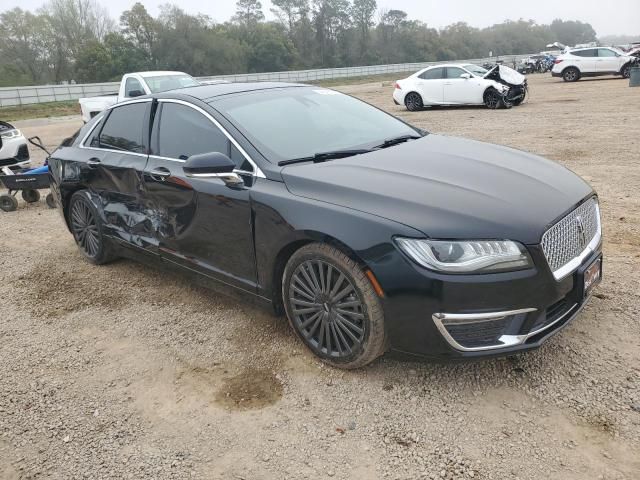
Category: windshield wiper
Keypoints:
(324, 156)
(395, 141)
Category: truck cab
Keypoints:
(136, 85)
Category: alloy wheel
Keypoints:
(85, 228)
(413, 102)
(327, 309)
(492, 100)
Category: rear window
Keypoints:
(432, 74)
(585, 53)
(123, 128)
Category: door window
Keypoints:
(131, 85)
(183, 132)
(605, 52)
(454, 72)
(123, 128)
(432, 74)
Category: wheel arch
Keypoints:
(286, 252)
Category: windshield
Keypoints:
(290, 123)
(162, 83)
(475, 69)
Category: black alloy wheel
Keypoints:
(333, 307)
(492, 99)
(87, 230)
(413, 102)
(326, 308)
(626, 71)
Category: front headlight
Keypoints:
(11, 134)
(470, 256)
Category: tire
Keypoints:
(520, 100)
(413, 102)
(31, 196)
(571, 74)
(626, 71)
(332, 307)
(8, 203)
(51, 201)
(492, 99)
(87, 228)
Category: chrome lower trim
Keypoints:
(506, 341)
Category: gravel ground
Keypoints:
(123, 372)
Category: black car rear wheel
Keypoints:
(413, 102)
(333, 307)
(87, 230)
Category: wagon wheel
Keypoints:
(51, 201)
(8, 203)
(30, 196)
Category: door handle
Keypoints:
(160, 174)
(93, 162)
(448, 83)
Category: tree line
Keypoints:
(77, 40)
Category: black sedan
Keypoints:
(371, 235)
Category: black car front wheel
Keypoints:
(626, 71)
(493, 99)
(333, 307)
(86, 227)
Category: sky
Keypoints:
(611, 17)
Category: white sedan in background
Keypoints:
(461, 84)
(14, 152)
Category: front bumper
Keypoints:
(519, 310)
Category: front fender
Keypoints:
(283, 220)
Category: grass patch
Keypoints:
(40, 110)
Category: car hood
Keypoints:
(447, 187)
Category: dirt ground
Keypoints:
(123, 372)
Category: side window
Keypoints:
(123, 128)
(183, 132)
(454, 72)
(241, 162)
(432, 74)
(605, 52)
(132, 85)
(92, 140)
(586, 53)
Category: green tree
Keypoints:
(362, 12)
(140, 28)
(248, 12)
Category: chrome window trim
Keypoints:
(257, 171)
(86, 137)
(506, 340)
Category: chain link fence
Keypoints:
(17, 96)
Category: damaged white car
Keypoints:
(14, 152)
(461, 84)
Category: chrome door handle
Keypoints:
(93, 162)
(160, 174)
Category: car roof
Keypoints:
(159, 73)
(208, 92)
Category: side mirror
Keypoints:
(466, 76)
(135, 93)
(212, 165)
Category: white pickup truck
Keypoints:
(136, 85)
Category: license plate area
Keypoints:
(591, 277)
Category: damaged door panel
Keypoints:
(117, 162)
(201, 223)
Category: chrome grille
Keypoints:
(571, 236)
